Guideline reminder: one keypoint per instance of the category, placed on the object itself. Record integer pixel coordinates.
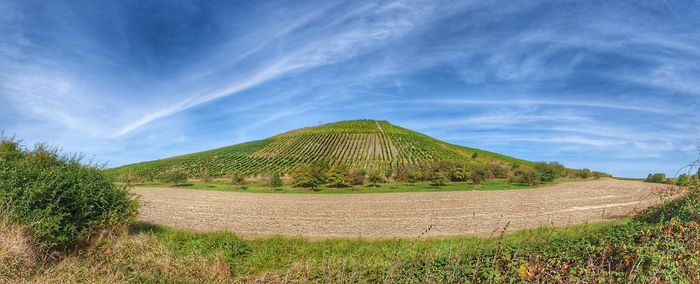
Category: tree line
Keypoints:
(438, 173)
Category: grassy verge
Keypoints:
(382, 188)
(626, 251)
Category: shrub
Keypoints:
(548, 172)
(310, 176)
(440, 178)
(478, 174)
(205, 176)
(174, 177)
(524, 176)
(657, 178)
(275, 180)
(585, 173)
(59, 201)
(357, 178)
(238, 179)
(460, 173)
(338, 177)
(684, 180)
(375, 178)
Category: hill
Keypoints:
(357, 144)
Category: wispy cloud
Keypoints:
(579, 82)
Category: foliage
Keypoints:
(440, 178)
(357, 178)
(175, 177)
(338, 176)
(238, 179)
(275, 180)
(585, 173)
(56, 199)
(525, 176)
(657, 178)
(310, 176)
(375, 178)
(548, 172)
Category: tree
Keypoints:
(684, 180)
(657, 178)
(548, 172)
(478, 174)
(439, 178)
(585, 173)
(525, 176)
(461, 173)
(238, 179)
(275, 180)
(338, 176)
(204, 175)
(175, 177)
(357, 178)
(375, 178)
(310, 176)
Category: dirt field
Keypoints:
(394, 215)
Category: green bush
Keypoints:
(59, 201)
(548, 172)
(310, 176)
(275, 180)
(657, 178)
(175, 177)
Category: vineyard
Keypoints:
(359, 144)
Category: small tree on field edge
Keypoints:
(237, 179)
(440, 178)
(275, 181)
(175, 177)
(375, 178)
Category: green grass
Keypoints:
(661, 245)
(372, 258)
(358, 144)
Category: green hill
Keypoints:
(358, 144)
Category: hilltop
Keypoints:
(357, 144)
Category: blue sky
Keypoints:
(609, 85)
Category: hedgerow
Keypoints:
(58, 200)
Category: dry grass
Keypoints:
(129, 259)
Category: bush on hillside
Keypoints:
(585, 173)
(440, 179)
(238, 179)
(657, 178)
(338, 177)
(375, 178)
(548, 172)
(275, 180)
(309, 176)
(59, 201)
(524, 176)
(357, 178)
(174, 177)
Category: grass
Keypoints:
(658, 246)
(382, 188)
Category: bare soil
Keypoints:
(395, 215)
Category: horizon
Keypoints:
(608, 86)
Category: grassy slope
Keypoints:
(359, 144)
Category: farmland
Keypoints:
(359, 144)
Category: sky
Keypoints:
(609, 85)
